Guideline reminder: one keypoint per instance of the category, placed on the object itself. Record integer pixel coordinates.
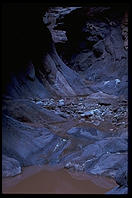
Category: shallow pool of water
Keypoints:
(46, 180)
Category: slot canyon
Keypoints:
(65, 99)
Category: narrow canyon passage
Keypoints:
(65, 99)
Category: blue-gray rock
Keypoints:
(98, 50)
(28, 144)
(108, 164)
(121, 176)
(10, 166)
(30, 72)
(61, 103)
(27, 111)
(113, 145)
(92, 151)
(118, 190)
(88, 132)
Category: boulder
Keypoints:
(107, 164)
(122, 175)
(10, 166)
(29, 145)
(118, 190)
(87, 132)
(113, 145)
(99, 148)
(61, 103)
(92, 151)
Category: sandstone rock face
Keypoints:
(96, 46)
(50, 18)
(41, 73)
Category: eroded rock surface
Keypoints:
(68, 106)
(96, 46)
(10, 166)
(29, 144)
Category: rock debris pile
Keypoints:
(95, 108)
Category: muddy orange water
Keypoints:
(44, 180)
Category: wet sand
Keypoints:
(45, 180)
